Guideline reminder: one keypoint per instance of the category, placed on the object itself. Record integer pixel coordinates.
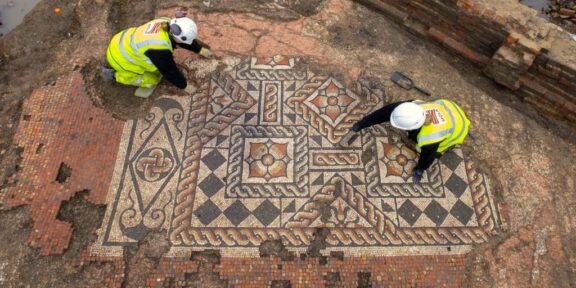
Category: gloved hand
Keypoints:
(417, 175)
(180, 14)
(190, 88)
(205, 52)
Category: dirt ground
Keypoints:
(36, 64)
(531, 166)
(25, 268)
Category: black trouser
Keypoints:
(428, 152)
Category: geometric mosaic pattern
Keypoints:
(253, 156)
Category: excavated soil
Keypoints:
(289, 9)
(41, 62)
(119, 100)
(361, 34)
(23, 267)
(33, 53)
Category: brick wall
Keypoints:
(514, 49)
(551, 86)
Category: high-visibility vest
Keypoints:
(126, 49)
(449, 125)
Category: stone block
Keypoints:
(529, 45)
(416, 27)
(552, 73)
(457, 46)
(510, 80)
(526, 93)
(567, 12)
(534, 85)
(542, 106)
(568, 74)
(541, 59)
(508, 55)
(569, 84)
(511, 40)
(388, 9)
(571, 119)
(518, 58)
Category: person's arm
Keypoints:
(427, 155)
(164, 61)
(379, 116)
(195, 47)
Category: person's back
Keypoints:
(127, 49)
(435, 126)
(141, 56)
(446, 124)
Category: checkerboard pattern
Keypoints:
(253, 155)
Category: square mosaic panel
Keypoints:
(253, 156)
(268, 161)
(388, 173)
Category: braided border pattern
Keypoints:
(183, 234)
(349, 237)
(190, 167)
(335, 159)
(271, 102)
(480, 197)
(244, 71)
(199, 132)
(242, 102)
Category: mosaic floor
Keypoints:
(254, 156)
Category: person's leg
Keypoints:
(146, 80)
(108, 73)
(149, 82)
(129, 78)
(150, 79)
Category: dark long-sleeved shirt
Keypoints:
(427, 152)
(164, 61)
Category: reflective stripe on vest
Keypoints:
(449, 125)
(123, 51)
(127, 51)
(462, 128)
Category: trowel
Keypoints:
(407, 83)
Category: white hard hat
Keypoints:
(408, 116)
(183, 29)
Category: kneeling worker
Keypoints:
(434, 126)
(140, 56)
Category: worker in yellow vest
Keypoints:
(140, 56)
(435, 127)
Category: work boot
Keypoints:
(144, 92)
(108, 74)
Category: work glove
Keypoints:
(180, 14)
(348, 138)
(417, 176)
(190, 88)
(205, 52)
